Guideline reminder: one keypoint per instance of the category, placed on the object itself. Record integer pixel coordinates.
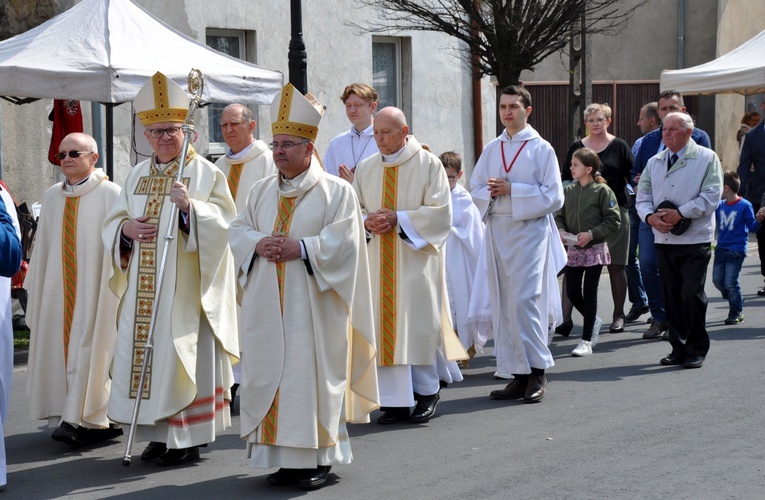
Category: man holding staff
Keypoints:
(194, 335)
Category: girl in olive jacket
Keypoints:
(589, 215)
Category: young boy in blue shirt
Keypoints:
(735, 220)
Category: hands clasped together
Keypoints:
(278, 248)
(499, 187)
(381, 221)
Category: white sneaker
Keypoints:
(596, 331)
(584, 348)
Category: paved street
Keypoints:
(613, 425)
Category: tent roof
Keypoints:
(740, 71)
(105, 50)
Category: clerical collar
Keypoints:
(367, 131)
(393, 157)
(240, 154)
(295, 181)
(72, 188)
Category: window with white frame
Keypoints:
(232, 43)
(391, 72)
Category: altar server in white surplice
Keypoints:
(308, 347)
(186, 396)
(463, 248)
(518, 176)
(71, 312)
(10, 259)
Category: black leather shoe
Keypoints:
(535, 391)
(284, 477)
(514, 390)
(314, 478)
(153, 451)
(693, 362)
(393, 415)
(761, 291)
(635, 313)
(97, 435)
(672, 359)
(425, 409)
(67, 433)
(180, 456)
(565, 328)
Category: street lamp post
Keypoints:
(297, 55)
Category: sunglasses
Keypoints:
(72, 154)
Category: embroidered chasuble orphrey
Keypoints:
(388, 272)
(156, 186)
(69, 257)
(234, 176)
(282, 228)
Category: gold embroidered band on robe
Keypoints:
(156, 187)
(233, 178)
(388, 272)
(281, 228)
(69, 257)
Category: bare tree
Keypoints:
(504, 37)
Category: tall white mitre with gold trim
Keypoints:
(293, 113)
(161, 100)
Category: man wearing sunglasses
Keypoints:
(71, 310)
(186, 394)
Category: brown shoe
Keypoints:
(535, 391)
(514, 390)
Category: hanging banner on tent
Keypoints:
(67, 118)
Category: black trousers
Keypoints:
(585, 301)
(683, 272)
(760, 241)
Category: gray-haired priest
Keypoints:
(195, 337)
(308, 345)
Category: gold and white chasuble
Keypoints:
(195, 337)
(71, 311)
(308, 353)
(412, 315)
(241, 173)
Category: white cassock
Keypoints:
(6, 336)
(522, 251)
(308, 352)
(463, 248)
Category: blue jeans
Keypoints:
(635, 289)
(649, 270)
(725, 274)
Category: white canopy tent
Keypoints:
(106, 50)
(740, 71)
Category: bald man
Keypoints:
(71, 309)
(405, 197)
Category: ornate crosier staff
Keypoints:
(196, 85)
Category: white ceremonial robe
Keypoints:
(6, 339)
(72, 387)
(463, 248)
(258, 163)
(315, 359)
(349, 149)
(195, 335)
(522, 249)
